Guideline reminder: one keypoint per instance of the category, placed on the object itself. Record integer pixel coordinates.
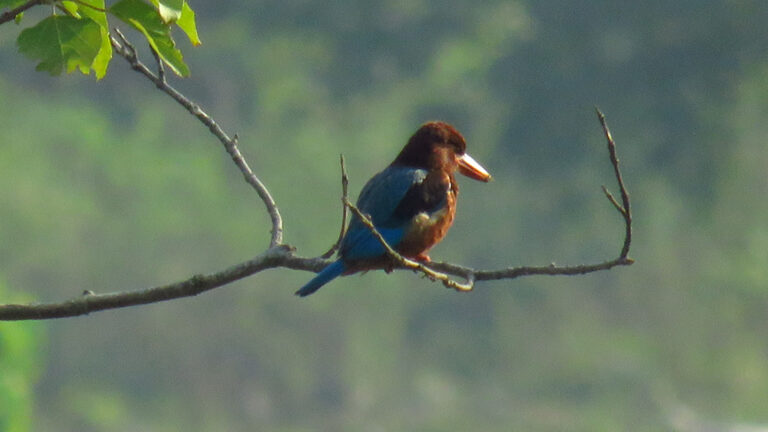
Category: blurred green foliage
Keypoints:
(111, 186)
(21, 359)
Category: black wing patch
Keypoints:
(427, 196)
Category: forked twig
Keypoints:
(624, 209)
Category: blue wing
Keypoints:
(392, 197)
(380, 198)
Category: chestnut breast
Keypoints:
(427, 227)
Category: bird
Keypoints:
(412, 203)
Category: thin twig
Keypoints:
(344, 188)
(11, 14)
(126, 50)
(408, 263)
(159, 61)
(612, 199)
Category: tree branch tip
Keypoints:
(599, 113)
(342, 162)
(458, 286)
(123, 39)
(344, 208)
(115, 43)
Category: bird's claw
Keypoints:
(422, 257)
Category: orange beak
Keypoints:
(470, 168)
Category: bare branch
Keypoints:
(344, 187)
(516, 272)
(126, 50)
(278, 256)
(283, 256)
(11, 14)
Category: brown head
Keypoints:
(439, 146)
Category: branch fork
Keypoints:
(125, 49)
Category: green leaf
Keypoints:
(62, 42)
(70, 7)
(102, 59)
(170, 10)
(94, 9)
(147, 20)
(185, 20)
(21, 353)
(187, 24)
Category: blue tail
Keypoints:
(328, 274)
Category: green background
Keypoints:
(111, 186)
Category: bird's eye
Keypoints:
(457, 145)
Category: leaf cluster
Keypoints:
(76, 35)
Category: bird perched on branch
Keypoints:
(411, 203)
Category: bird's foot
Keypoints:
(422, 257)
(389, 267)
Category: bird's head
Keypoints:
(439, 146)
